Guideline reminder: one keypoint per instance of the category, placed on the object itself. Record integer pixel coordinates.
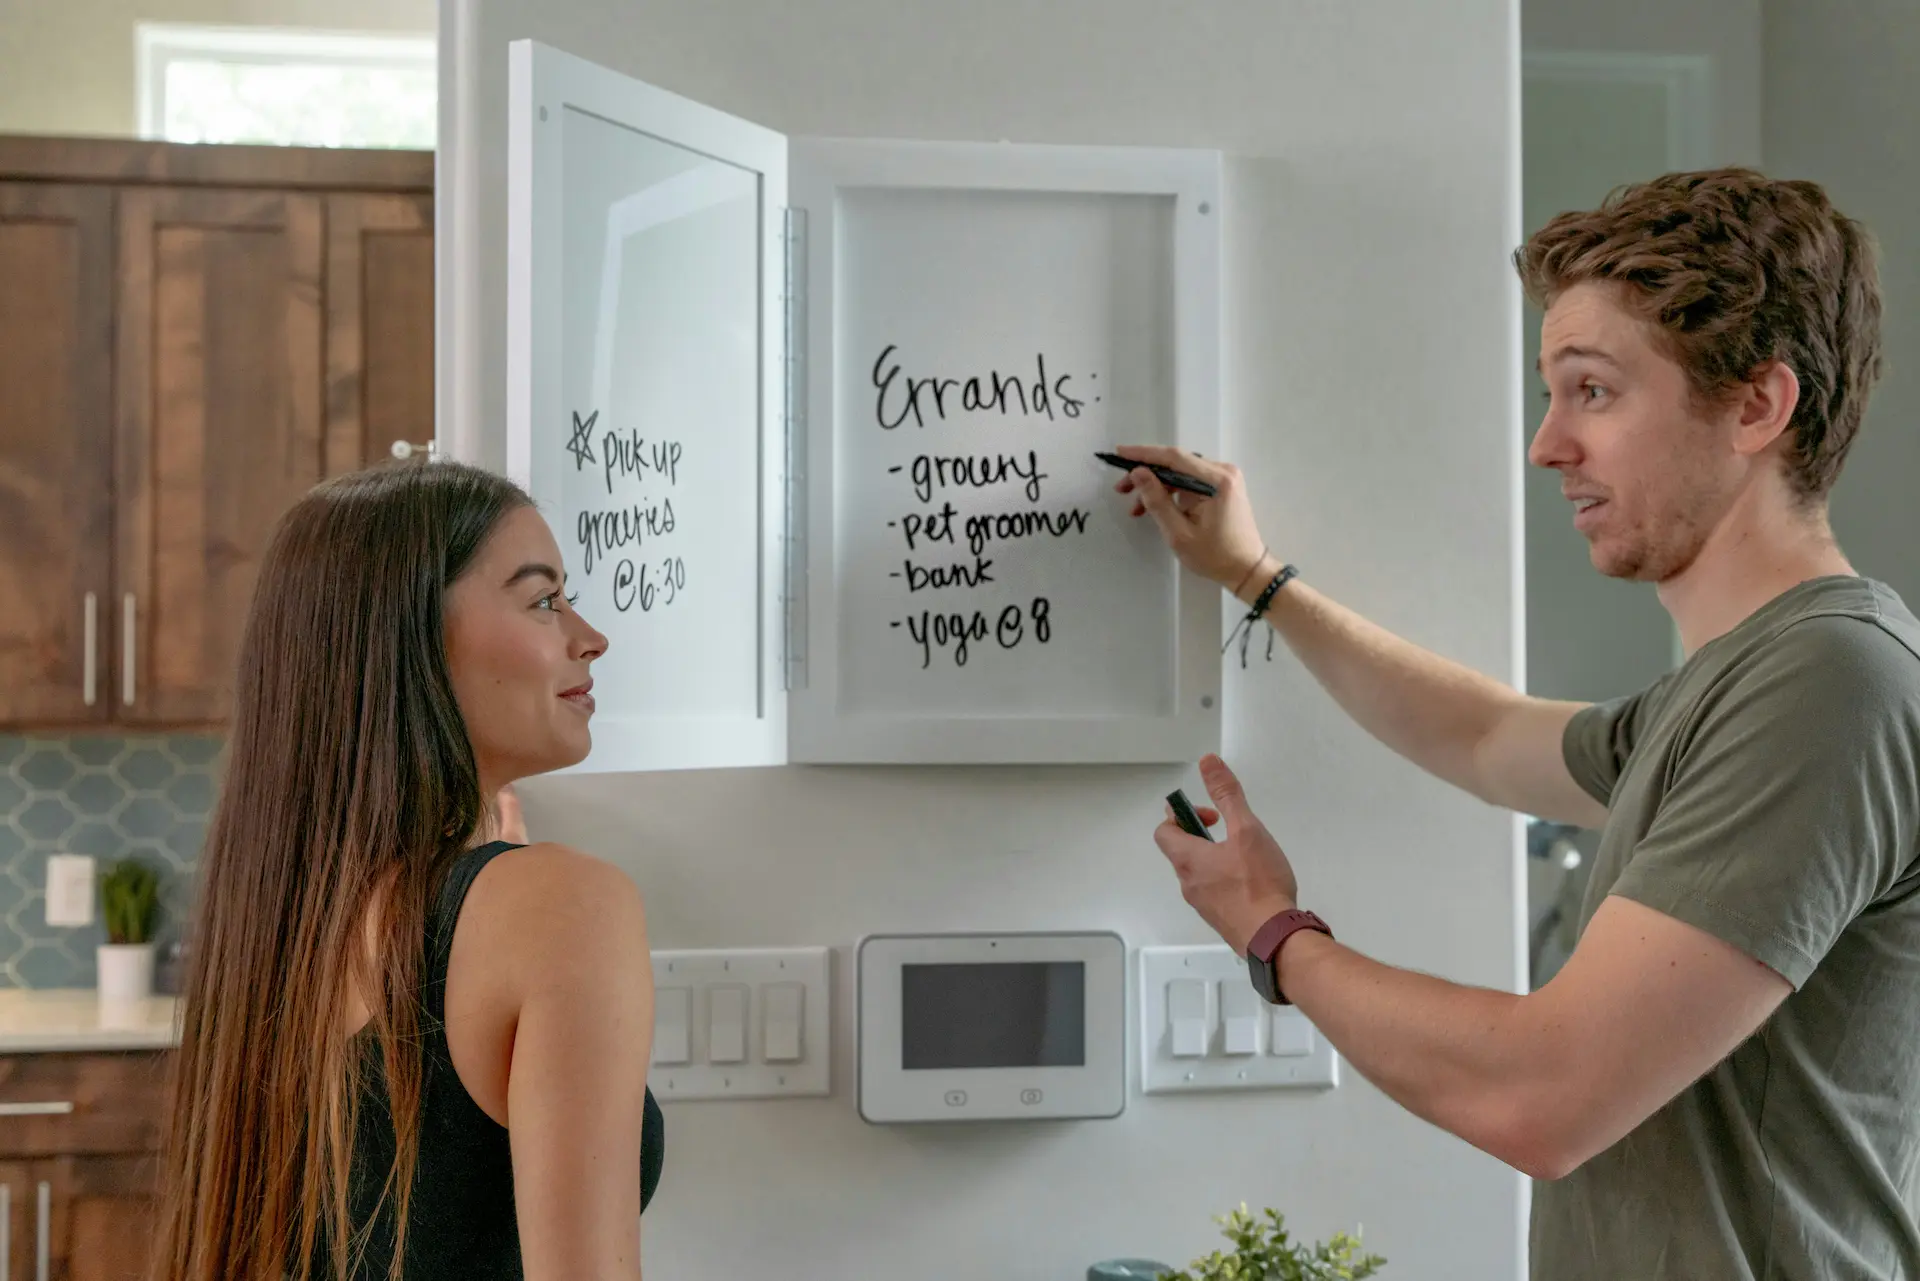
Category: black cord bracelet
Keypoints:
(1244, 628)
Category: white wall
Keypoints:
(1728, 31)
(67, 66)
(1370, 389)
(1842, 101)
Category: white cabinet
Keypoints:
(814, 422)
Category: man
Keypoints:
(1720, 1083)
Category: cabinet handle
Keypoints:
(6, 1232)
(42, 1236)
(404, 449)
(62, 1108)
(90, 686)
(126, 649)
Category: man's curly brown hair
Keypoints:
(1736, 271)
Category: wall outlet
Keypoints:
(70, 889)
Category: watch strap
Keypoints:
(1264, 948)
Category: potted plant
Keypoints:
(1265, 1251)
(129, 894)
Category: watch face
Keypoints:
(1262, 975)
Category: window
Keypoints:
(295, 88)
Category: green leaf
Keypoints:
(129, 897)
(1263, 1250)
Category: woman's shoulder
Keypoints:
(546, 953)
(547, 905)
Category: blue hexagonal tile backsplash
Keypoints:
(143, 796)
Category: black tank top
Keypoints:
(460, 1225)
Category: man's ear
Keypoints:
(1766, 402)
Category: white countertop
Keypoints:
(38, 1020)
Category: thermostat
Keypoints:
(991, 1027)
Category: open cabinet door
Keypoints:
(645, 388)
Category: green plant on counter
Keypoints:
(129, 899)
(1265, 1251)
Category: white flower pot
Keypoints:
(126, 971)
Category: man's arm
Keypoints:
(1646, 1004)
(1458, 725)
(1644, 1007)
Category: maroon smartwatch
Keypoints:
(1263, 951)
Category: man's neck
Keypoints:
(1752, 556)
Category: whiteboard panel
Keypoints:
(981, 320)
(643, 387)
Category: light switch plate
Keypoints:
(1162, 1073)
(69, 891)
(754, 971)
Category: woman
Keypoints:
(408, 1050)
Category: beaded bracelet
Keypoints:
(1244, 628)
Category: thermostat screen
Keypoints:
(993, 1015)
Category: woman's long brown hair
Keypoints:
(348, 769)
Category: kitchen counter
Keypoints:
(41, 1020)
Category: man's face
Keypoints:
(1649, 471)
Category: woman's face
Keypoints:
(519, 655)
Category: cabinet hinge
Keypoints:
(793, 541)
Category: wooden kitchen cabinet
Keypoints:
(101, 1216)
(191, 337)
(92, 1217)
(56, 457)
(17, 1219)
(82, 1185)
(379, 326)
(218, 406)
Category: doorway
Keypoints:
(1589, 123)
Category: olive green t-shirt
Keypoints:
(1768, 792)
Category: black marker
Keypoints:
(1168, 476)
(1183, 815)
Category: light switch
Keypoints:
(672, 1021)
(1290, 1036)
(727, 1024)
(1187, 1017)
(1240, 1016)
(781, 1007)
